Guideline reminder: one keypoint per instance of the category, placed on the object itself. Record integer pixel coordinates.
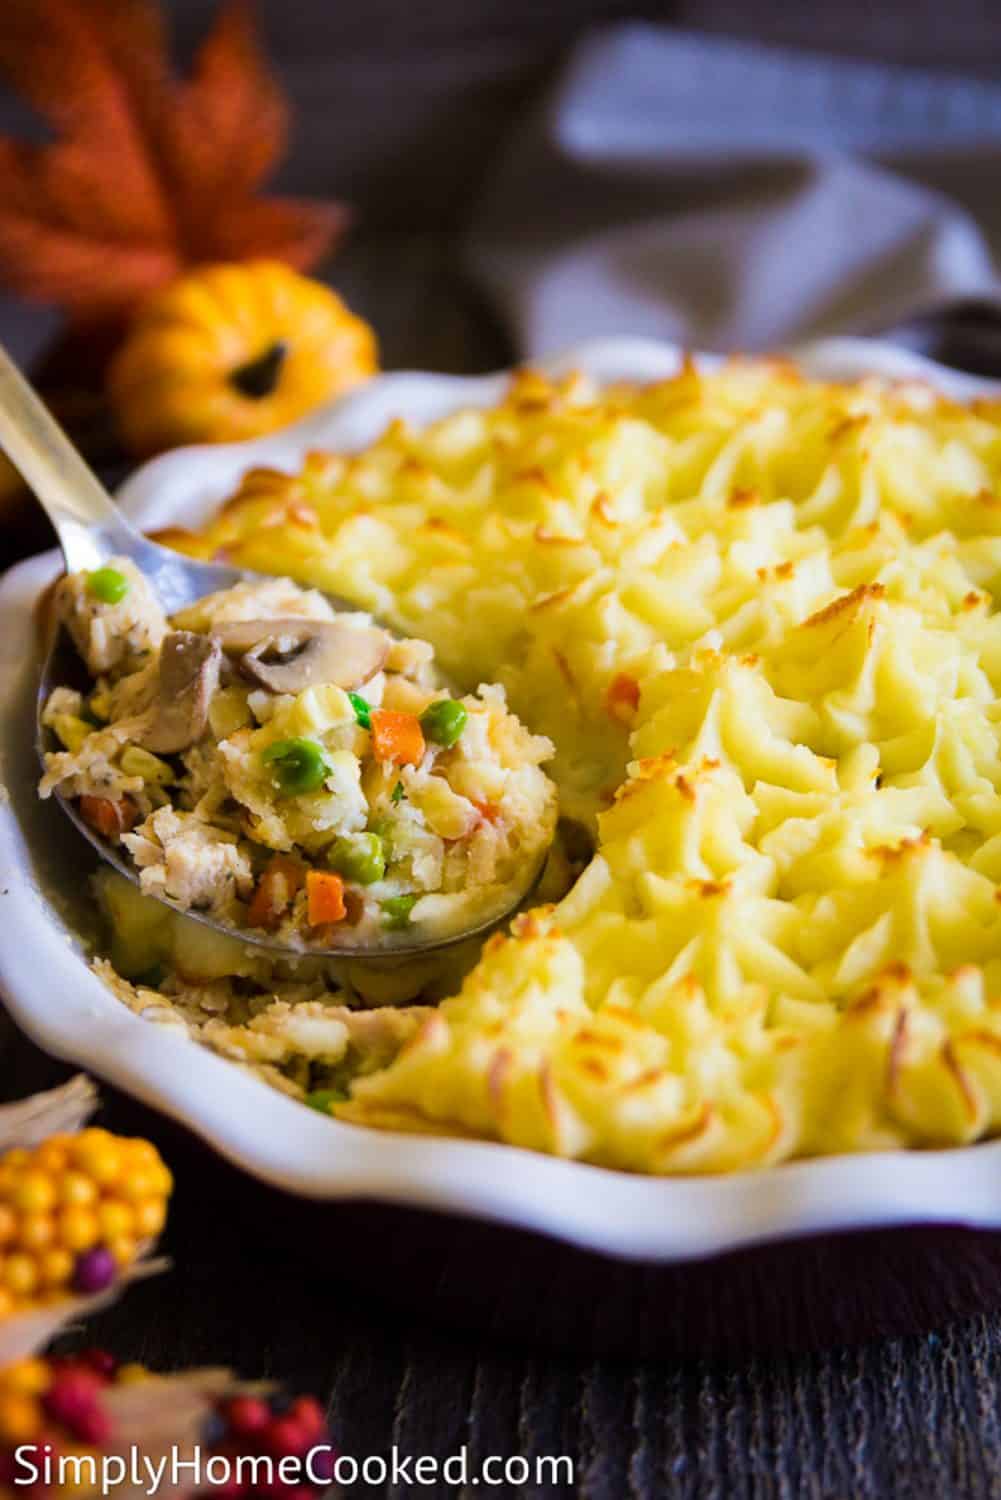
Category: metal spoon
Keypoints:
(91, 529)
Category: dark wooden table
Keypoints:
(911, 1418)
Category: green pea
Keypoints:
(383, 828)
(396, 912)
(363, 710)
(322, 1099)
(108, 585)
(299, 766)
(444, 722)
(359, 857)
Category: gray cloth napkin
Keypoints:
(728, 196)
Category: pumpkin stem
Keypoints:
(259, 377)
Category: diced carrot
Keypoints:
(488, 811)
(623, 697)
(261, 912)
(397, 737)
(275, 890)
(325, 894)
(108, 818)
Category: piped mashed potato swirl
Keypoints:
(756, 614)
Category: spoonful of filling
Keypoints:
(295, 773)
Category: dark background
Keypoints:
(401, 109)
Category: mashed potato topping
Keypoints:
(757, 617)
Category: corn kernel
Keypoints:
(150, 1217)
(162, 1178)
(114, 1218)
(7, 1303)
(99, 1156)
(36, 1231)
(31, 1377)
(52, 1155)
(138, 1183)
(17, 1158)
(78, 1228)
(123, 1247)
(34, 1192)
(55, 1267)
(20, 1274)
(144, 1151)
(20, 1417)
(76, 1188)
(8, 1224)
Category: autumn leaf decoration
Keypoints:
(147, 174)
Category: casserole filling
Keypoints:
(291, 771)
(756, 615)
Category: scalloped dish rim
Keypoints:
(68, 1010)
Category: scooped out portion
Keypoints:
(290, 770)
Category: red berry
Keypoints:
(285, 1489)
(286, 1437)
(72, 1400)
(247, 1414)
(100, 1361)
(93, 1427)
(73, 1391)
(69, 1366)
(232, 1488)
(308, 1412)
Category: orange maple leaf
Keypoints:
(148, 174)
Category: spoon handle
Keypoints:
(84, 515)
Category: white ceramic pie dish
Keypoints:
(46, 984)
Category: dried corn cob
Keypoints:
(75, 1211)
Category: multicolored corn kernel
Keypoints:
(74, 1212)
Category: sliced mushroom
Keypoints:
(288, 655)
(189, 676)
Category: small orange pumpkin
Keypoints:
(233, 351)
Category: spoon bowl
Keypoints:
(63, 668)
(91, 531)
